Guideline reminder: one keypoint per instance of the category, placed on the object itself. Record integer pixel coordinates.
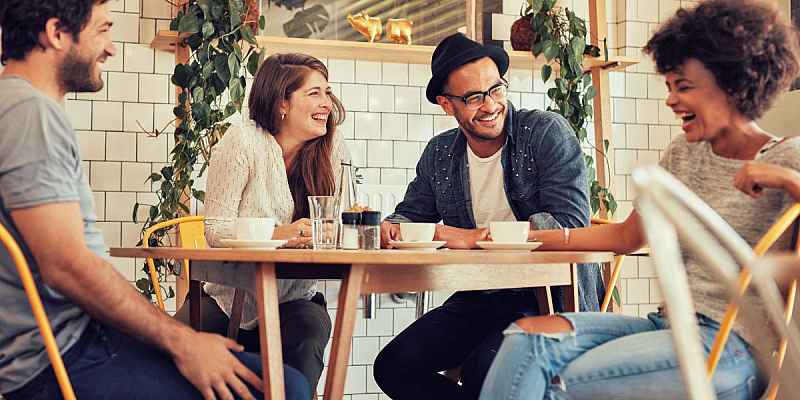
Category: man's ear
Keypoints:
(446, 105)
(53, 36)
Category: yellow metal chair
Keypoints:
(773, 234)
(38, 312)
(191, 233)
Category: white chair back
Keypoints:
(669, 210)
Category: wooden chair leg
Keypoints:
(236, 314)
(195, 312)
(544, 298)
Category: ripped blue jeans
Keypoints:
(611, 356)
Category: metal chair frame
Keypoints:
(29, 285)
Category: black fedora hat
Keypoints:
(455, 51)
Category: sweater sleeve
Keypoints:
(228, 173)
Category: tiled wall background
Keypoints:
(388, 124)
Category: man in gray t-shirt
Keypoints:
(38, 166)
(113, 342)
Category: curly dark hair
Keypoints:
(752, 53)
(23, 20)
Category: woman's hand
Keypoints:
(754, 176)
(297, 230)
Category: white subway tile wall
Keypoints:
(388, 124)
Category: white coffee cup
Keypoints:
(254, 228)
(510, 231)
(417, 231)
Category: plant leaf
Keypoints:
(208, 29)
(252, 63)
(223, 71)
(536, 6)
(551, 50)
(236, 90)
(181, 75)
(235, 9)
(578, 44)
(546, 71)
(189, 23)
(233, 65)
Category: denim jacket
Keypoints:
(544, 177)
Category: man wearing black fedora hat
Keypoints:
(500, 164)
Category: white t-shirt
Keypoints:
(489, 201)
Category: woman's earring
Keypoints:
(283, 116)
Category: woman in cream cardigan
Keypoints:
(267, 167)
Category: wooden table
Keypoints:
(375, 271)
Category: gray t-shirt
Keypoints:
(39, 164)
(711, 177)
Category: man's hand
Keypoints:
(389, 232)
(205, 359)
(458, 238)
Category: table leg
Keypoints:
(343, 332)
(571, 292)
(195, 300)
(269, 331)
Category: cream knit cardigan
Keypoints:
(247, 178)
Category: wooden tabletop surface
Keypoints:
(388, 257)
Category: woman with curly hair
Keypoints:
(724, 63)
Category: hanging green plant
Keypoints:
(560, 36)
(211, 87)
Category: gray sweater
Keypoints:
(711, 177)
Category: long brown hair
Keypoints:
(279, 76)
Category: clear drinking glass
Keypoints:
(324, 213)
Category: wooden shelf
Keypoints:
(388, 52)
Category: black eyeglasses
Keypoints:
(475, 100)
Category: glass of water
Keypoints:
(324, 213)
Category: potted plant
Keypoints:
(522, 35)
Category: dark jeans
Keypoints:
(465, 331)
(305, 330)
(108, 364)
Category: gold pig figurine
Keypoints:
(366, 25)
(399, 30)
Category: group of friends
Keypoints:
(723, 61)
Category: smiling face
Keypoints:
(308, 108)
(80, 69)
(485, 123)
(694, 96)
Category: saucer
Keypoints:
(253, 244)
(403, 245)
(523, 246)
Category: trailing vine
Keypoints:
(560, 36)
(211, 86)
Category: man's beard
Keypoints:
(77, 75)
